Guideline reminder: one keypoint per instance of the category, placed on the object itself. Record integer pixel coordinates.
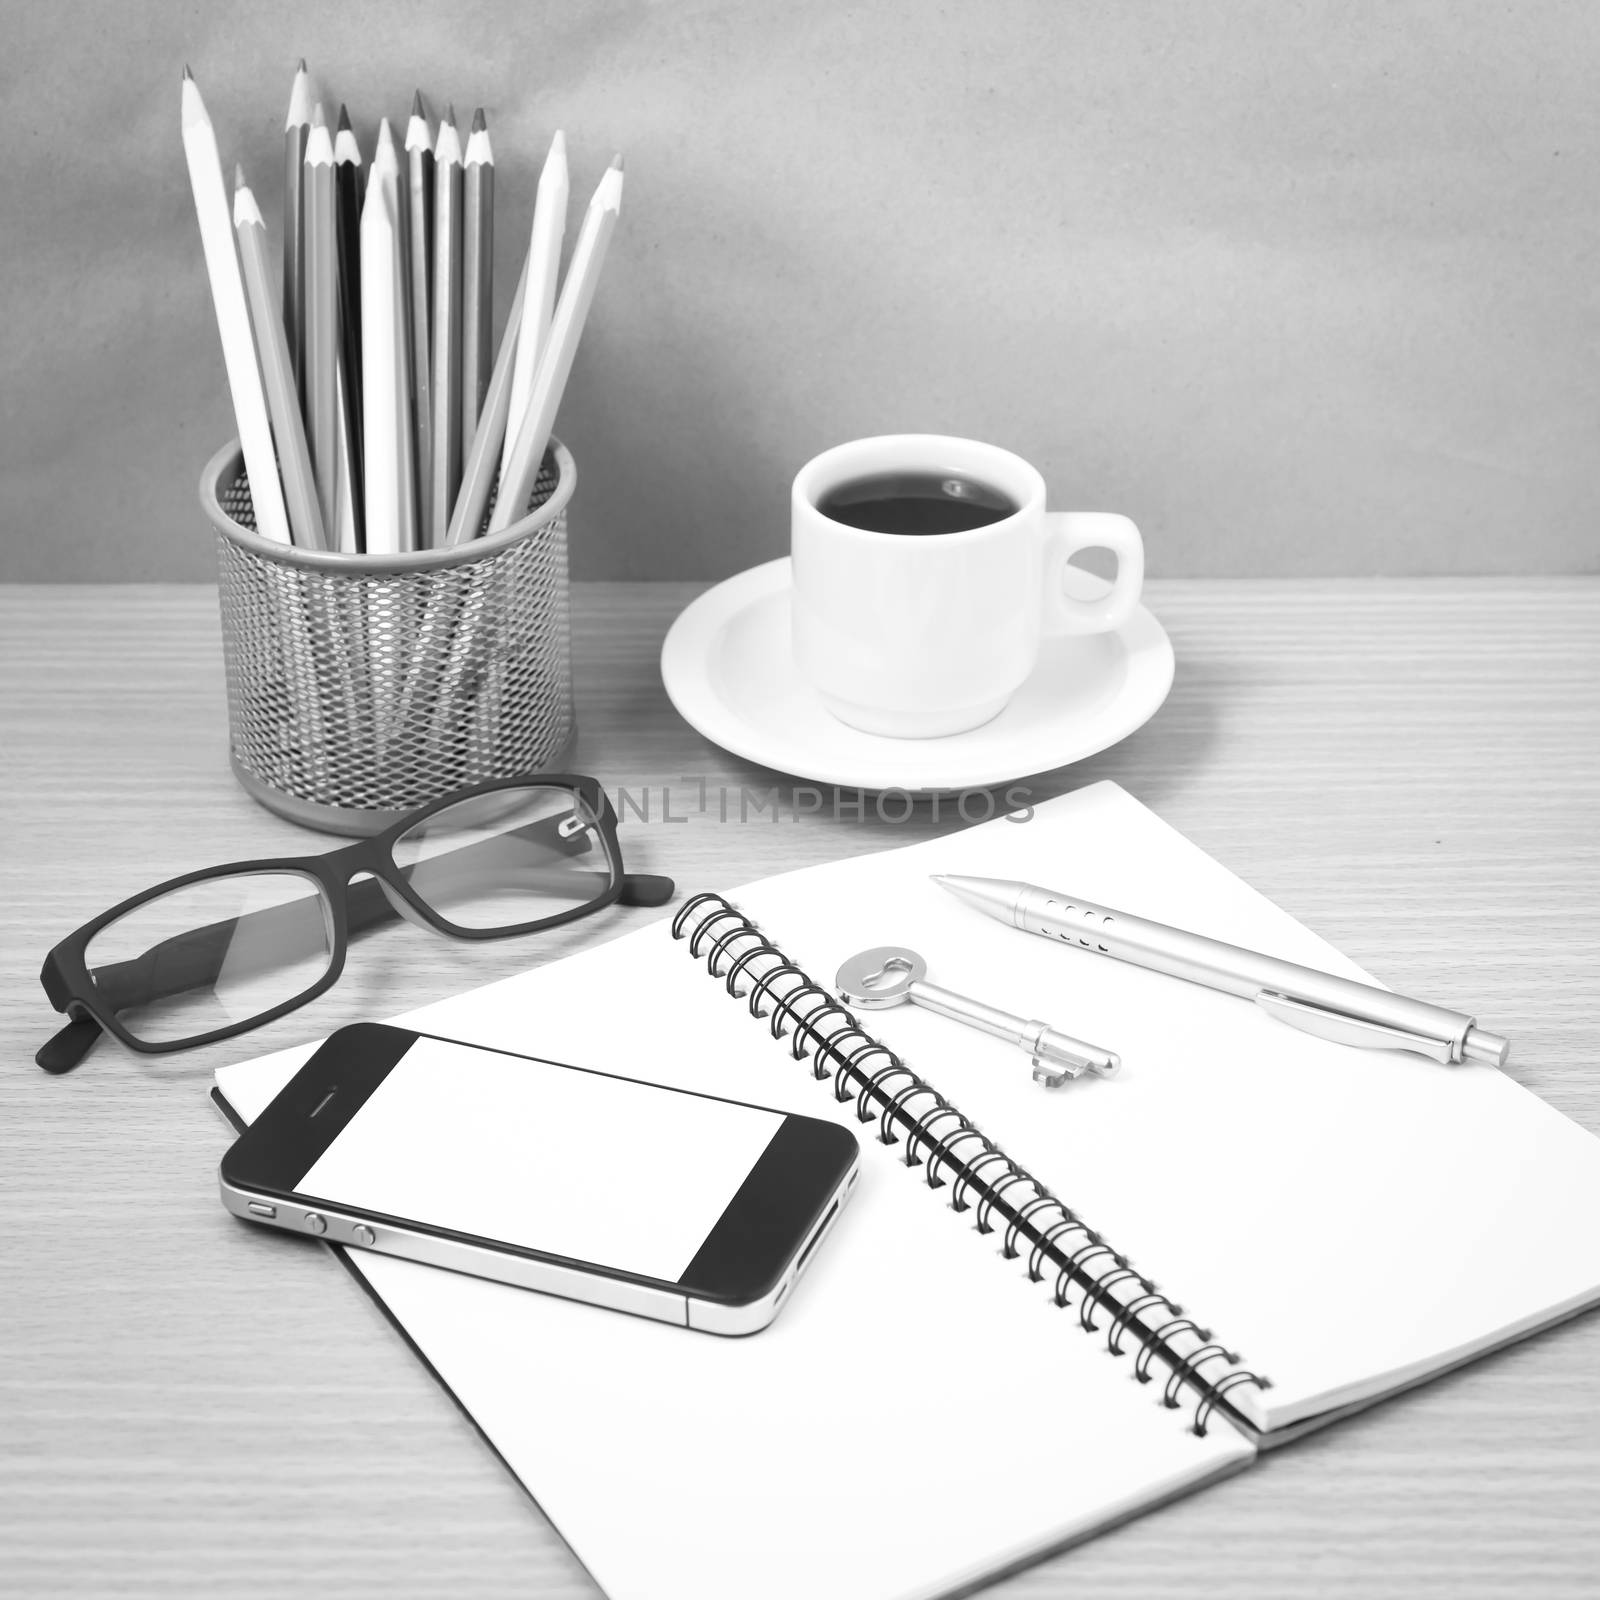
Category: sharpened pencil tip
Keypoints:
(616, 162)
(478, 123)
(299, 102)
(450, 113)
(344, 118)
(417, 109)
(318, 116)
(238, 177)
(302, 66)
(187, 74)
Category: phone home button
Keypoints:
(362, 1234)
(316, 1222)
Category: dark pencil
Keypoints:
(347, 189)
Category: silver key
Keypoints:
(890, 975)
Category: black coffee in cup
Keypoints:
(916, 503)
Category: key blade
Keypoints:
(1074, 1056)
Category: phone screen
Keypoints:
(604, 1170)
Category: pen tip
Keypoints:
(344, 118)
(961, 888)
(478, 123)
(417, 109)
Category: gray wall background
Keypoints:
(1304, 288)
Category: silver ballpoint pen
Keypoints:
(1315, 1002)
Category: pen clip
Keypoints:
(1342, 1028)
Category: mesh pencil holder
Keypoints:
(362, 687)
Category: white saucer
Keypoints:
(727, 668)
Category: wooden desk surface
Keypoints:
(188, 1406)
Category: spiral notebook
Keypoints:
(1109, 1296)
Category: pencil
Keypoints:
(344, 503)
(295, 132)
(477, 273)
(384, 415)
(419, 182)
(272, 345)
(446, 376)
(544, 269)
(386, 171)
(555, 361)
(347, 191)
(233, 316)
(477, 476)
(321, 374)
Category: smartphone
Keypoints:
(689, 1209)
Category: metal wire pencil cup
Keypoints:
(362, 687)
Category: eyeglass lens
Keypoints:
(508, 857)
(221, 951)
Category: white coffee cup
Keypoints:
(922, 635)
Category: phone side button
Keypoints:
(260, 1208)
(316, 1222)
(362, 1234)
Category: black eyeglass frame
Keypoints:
(71, 988)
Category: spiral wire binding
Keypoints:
(952, 1150)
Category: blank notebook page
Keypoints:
(918, 1417)
(1348, 1220)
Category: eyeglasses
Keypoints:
(214, 953)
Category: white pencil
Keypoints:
(477, 274)
(544, 271)
(477, 476)
(385, 170)
(380, 379)
(233, 317)
(272, 346)
(445, 477)
(320, 374)
(555, 363)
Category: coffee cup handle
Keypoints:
(1066, 533)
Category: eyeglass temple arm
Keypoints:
(646, 889)
(195, 959)
(63, 1050)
